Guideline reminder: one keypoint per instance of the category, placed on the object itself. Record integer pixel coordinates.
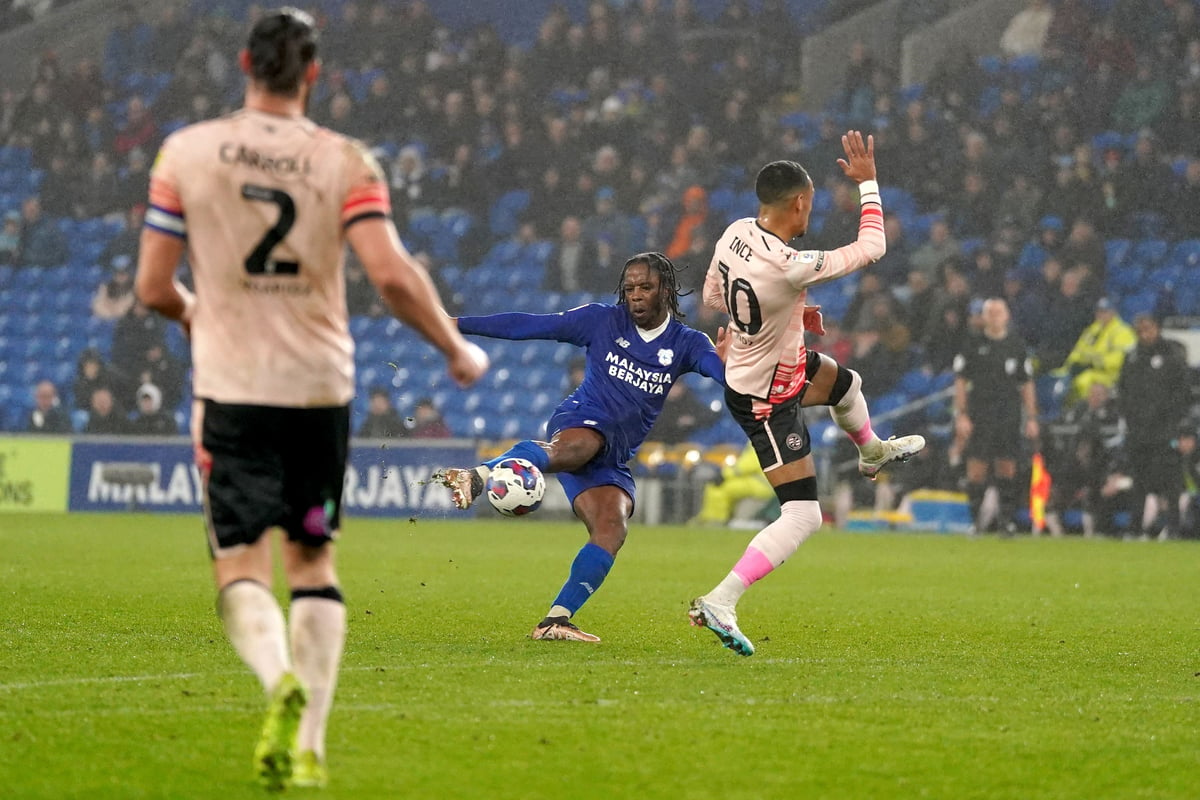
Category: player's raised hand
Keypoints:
(468, 364)
(859, 163)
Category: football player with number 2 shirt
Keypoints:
(263, 201)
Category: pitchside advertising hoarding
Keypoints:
(33, 473)
(382, 480)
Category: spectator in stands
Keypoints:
(695, 216)
(1068, 311)
(1186, 220)
(10, 238)
(59, 191)
(741, 480)
(683, 416)
(125, 243)
(91, 373)
(607, 228)
(427, 421)
(841, 223)
(134, 334)
(149, 417)
(1018, 204)
(383, 421)
(104, 416)
(114, 297)
(993, 392)
(42, 242)
(1084, 249)
(1144, 100)
(1189, 456)
(160, 368)
(47, 415)
(1026, 32)
(1099, 351)
(1179, 128)
(574, 263)
(1145, 183)
(1080, 459)
(128, 46)
(132, 180)
(940, 248)
(974, 207)
(1152, 387)
(362, 299)
(139, 131)
(412, 186)
(97, 191)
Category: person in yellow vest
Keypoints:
(742, 480)
(1099, 351)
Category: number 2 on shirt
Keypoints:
(259, 261)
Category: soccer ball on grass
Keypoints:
(515, 487)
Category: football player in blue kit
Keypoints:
(635, 351)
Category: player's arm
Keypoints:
(162, 244)
(1029, 405)
(962, 422)
(710, 361)
(566, 326)
(410, 294)
(156, 285)
(813, 267)
(713, 293)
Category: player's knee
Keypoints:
(801, 489)
(609, 535)
(848, 383)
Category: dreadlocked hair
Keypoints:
(668, 273)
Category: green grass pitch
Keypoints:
(888, 666)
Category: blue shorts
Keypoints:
(607, 467)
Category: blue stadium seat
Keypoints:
(504, 213)
(1143, 302)
(1116, 251)
(1148, 252)
(1124, 279)
(1186, 254)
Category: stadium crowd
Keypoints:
(1061, 175)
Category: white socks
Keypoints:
(318, 632)
(254, 624)
(774, 544)
(852, 416)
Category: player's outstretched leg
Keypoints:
(848, 407)
(721, 620)
(464, 484)
(275, 754)
(467, 484)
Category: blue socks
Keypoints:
(588, 571)
(527, 450)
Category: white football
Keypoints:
(515, 487)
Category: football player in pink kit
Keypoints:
(762, 283)
(263, 201)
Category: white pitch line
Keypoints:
(690, 664)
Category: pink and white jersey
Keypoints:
(263, 202)
(762, 284)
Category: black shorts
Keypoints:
(778, 439)
(273, 467)
(995, 438)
